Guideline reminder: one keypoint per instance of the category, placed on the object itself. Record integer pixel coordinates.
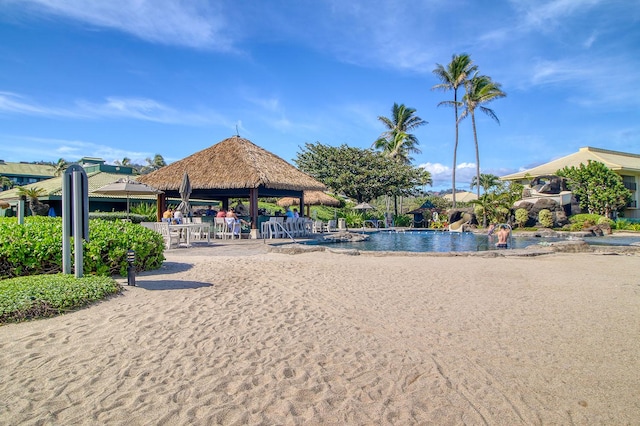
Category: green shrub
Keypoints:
(120, 216)
(402, 220)
(36, 247)
(545, 217)
(587, 220)
(605, 220)
(37, 296)
(522, 216)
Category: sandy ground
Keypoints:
(234, 335)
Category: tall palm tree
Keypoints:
(60, 167)
(451, 78)
(487, 181)
(396, 142)
(480, 90)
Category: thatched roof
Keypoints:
(314, 198)
(234, 163)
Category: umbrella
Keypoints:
(185, 192)
(364, 206)
(126, 186)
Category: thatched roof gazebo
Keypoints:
(234, 168)
(311, 198)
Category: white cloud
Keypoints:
(441, 174)
(543, 15)
(14, 103)
(51, 149)
(195, 23)
(114, 107)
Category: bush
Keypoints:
(587, 220)
(522, 216)
(36, 247)
(26, 298)
(402, 220)
(545, 217)
(120, 216)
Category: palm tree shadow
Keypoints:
(167, 268)
(171, 284)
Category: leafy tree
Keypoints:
(452, 77)
(126, 162)
(396, 142)
(480, 90)
(598, 189)
(153, 164)
(487, 181)
(362, 174)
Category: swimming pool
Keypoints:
(444, 241)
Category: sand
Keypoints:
(234, 335)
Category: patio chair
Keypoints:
(220, 229)
(331, 226)
(168, 235)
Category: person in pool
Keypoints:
(503, 235)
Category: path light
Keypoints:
(131, 271)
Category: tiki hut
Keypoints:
(233, 168)
(311, 198)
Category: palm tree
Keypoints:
(480, 90)
(396, 142)
(33, 193)
(60, 167)
(5, 182)
(487, 181)
(452, 77)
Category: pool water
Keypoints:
(444, 241)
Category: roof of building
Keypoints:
(620, 162)
(53, 187)
(462, 197)
(26, 169)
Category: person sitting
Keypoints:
(210, 211)
(222, 213)
(177, 217)
(288, 213)
(167, 215)
(295, 213)
(234, 222)
(503, 235)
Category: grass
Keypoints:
(40, 296)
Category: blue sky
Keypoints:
(124, 78)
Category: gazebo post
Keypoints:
(161, 203)
(253, 212)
